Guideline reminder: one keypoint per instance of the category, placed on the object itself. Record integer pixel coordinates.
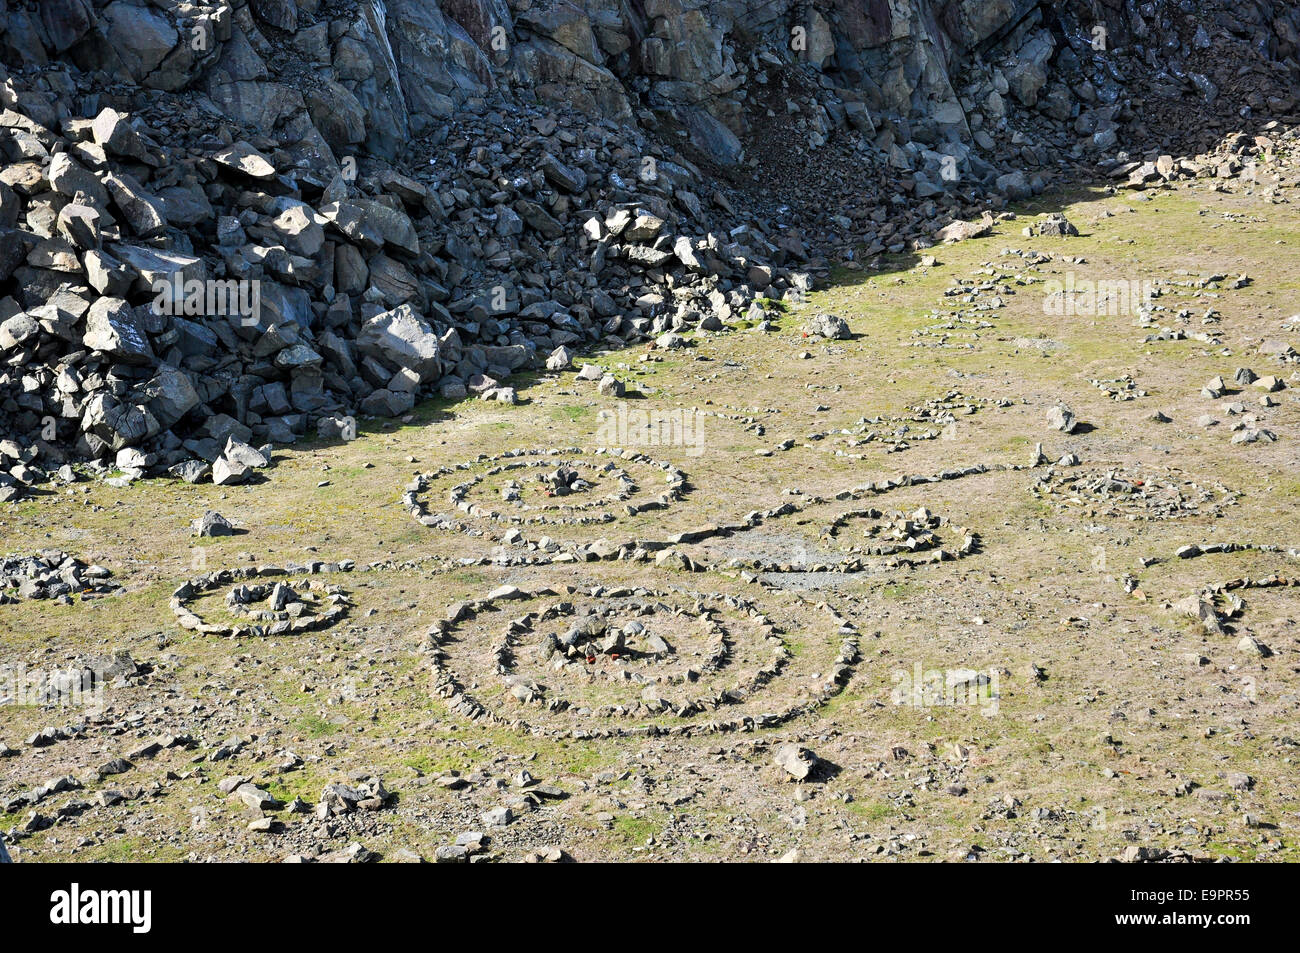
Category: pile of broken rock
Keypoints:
(50, 574)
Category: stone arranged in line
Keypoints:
(1136, 492)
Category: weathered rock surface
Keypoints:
(466, 190)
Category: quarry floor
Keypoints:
(1111, 720)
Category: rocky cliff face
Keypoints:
(246, 221)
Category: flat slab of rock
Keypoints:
(243, 158)
(796, 761)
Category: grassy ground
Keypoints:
(1123, 742)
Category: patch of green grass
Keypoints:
(901, 590)
(430, 410)
(581, 759)
(841, 702)
(1233, 849)
(572, 413)
(127, 848)
(433, 764)
(633, 830)
(871, 810)
(413, 535)
(314, 726)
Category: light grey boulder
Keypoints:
(831, 327)
(229, 472)
(113, 328)
(1062, 418)
(401, 338)
(211, 523)
(237, 451)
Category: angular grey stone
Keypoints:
(401, 338)
(68, 178)
(112, 327)
(211, 523)
(282, 14)
(237, 451)
(170, 395)
(17, 331)
(114, 133)
(796, 761)
(387, 403)
(243, 158)
(256, 798)
(229, 472)
(831, 327)
(1062, 418)
(142, 38)
(191, 471)
(141, 209)
(559, 360)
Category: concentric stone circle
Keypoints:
(898, 432)
(918, 534)
(547, 487)
(282, 606)
(1135, 492)
(966, 542)
(630, 661)
(873, 539)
